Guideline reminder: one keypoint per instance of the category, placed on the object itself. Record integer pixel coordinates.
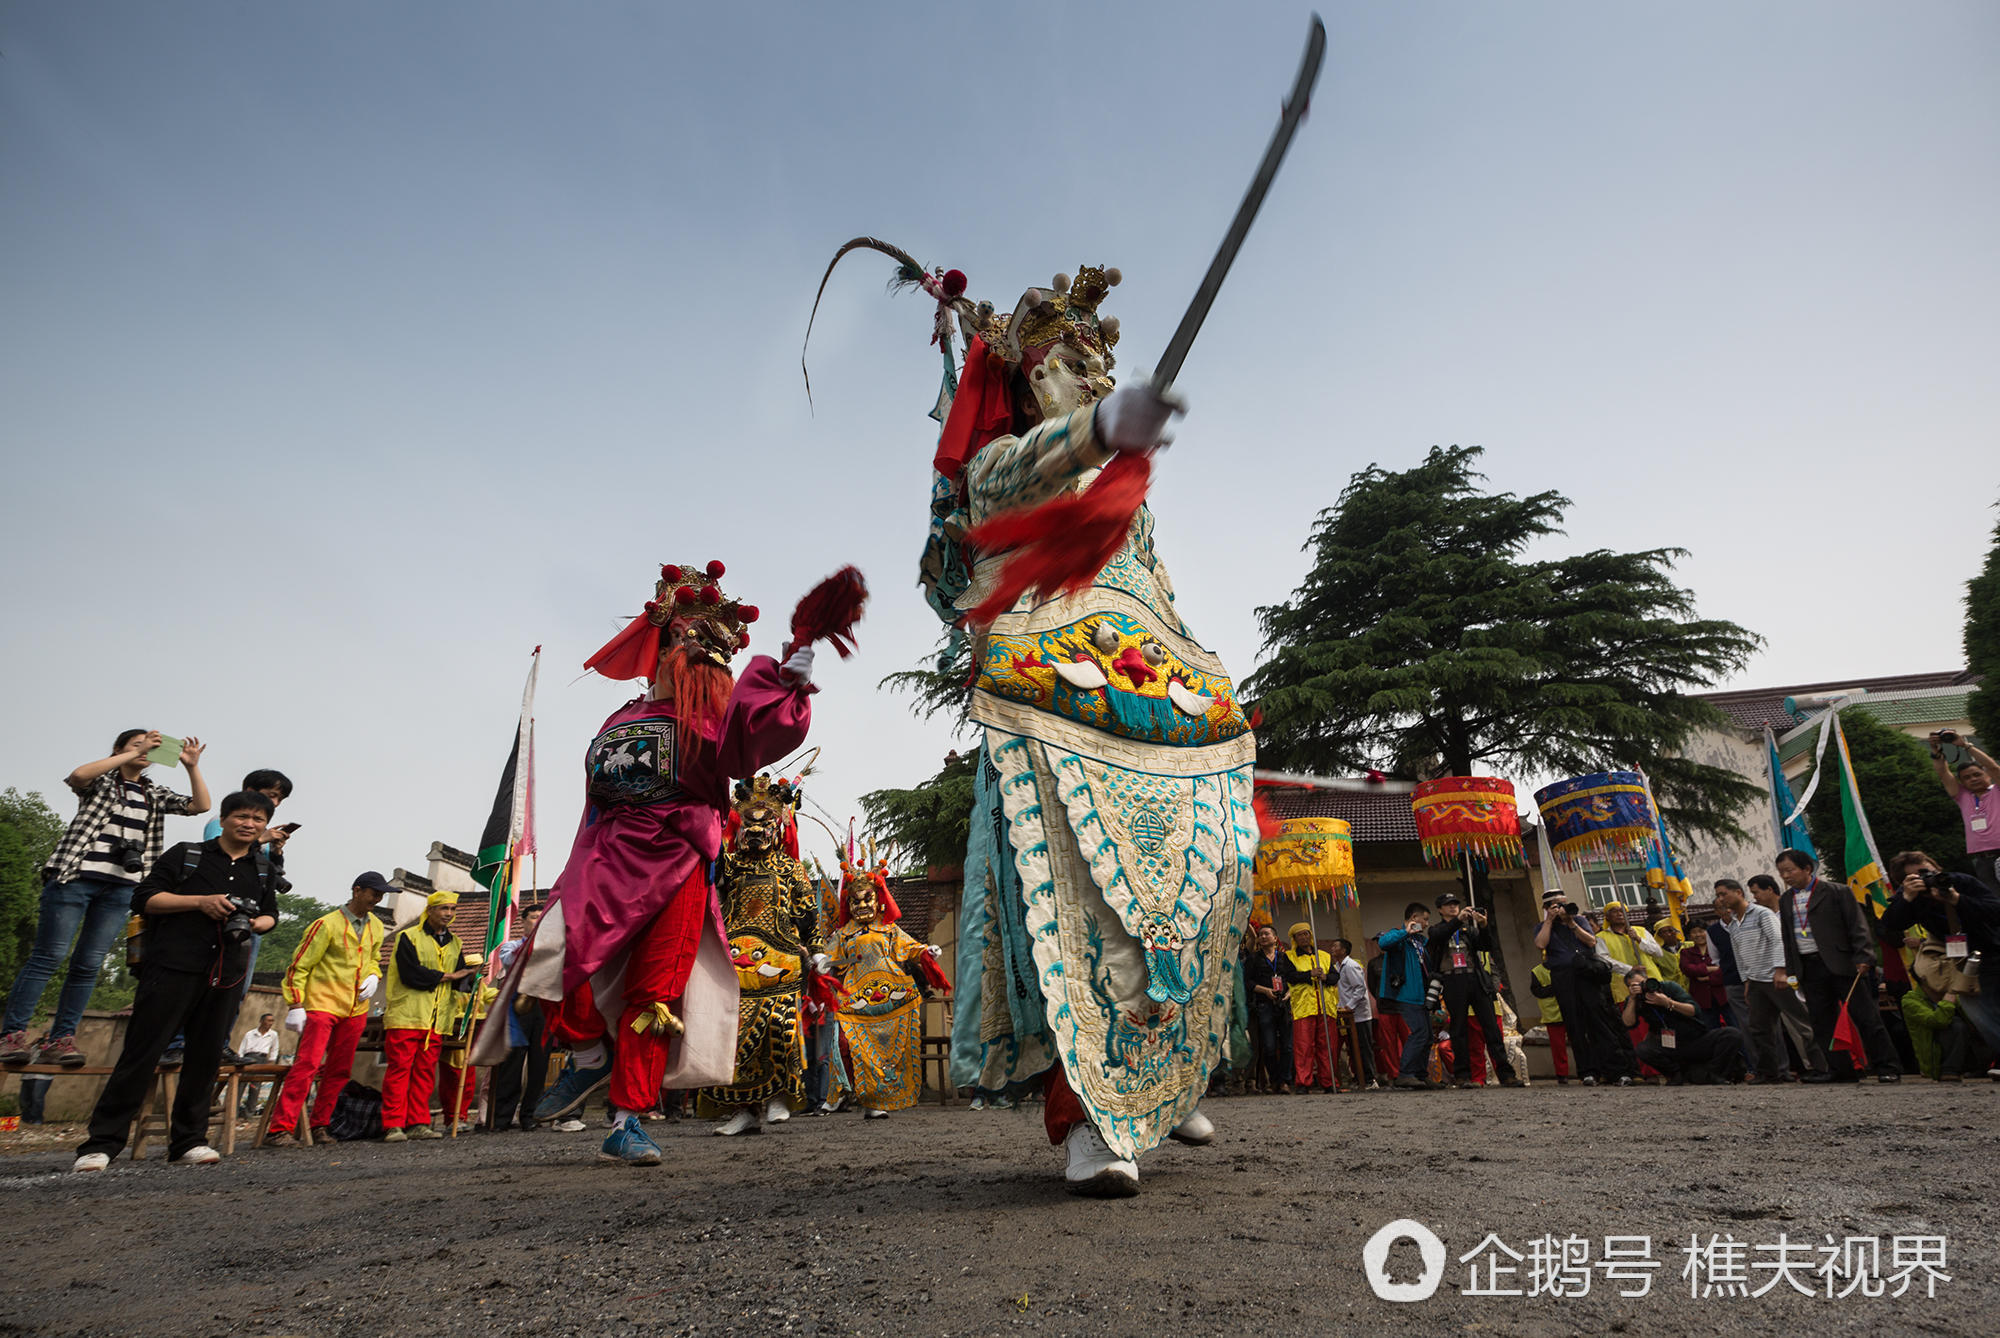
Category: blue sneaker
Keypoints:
(628, 1143)
(573, 1087)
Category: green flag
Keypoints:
(1864, 862)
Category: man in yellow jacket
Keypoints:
(1629, 946)
(335, 971)
(1306, 968)
(427, 963)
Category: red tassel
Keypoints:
(1061, 545)
(829, 612)
(633, 653)
(1268, 826)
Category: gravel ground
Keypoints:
(947, 1221)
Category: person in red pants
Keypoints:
(631, 959)
(335, 971)
(1306, 967)
(427, 965)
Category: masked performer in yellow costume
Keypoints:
(881, 1011)
(770, 908)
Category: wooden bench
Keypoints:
(155, 1115)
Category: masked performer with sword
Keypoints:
(1108, 874)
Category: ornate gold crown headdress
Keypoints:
(763, 792)
(1065, 313)
(688, 591)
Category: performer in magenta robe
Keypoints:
(631, 958)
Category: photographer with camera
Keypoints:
(1970, 785)
(1406, 989)
(1676, 1037)
(111, 843)
(1454, 948)
(202, 904)
(1960, 919)
(1581, 978)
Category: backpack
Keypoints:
(357, 1113)
(135, 927)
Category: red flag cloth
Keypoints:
(822, 996)
(934, 974)
(1846, 1036)
(1061, 545)
(633, 653)
(979, 412)
(829, 611)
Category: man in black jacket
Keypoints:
(192, 967)
(1453, 949)
(1830, 951)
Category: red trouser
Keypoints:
(1558, 1047)
(662, 958)
(1309, 1052)
(412, 1055)
(326, 1050)
(1061, 1111)
(461, 1084)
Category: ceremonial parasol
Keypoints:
(1468, 817)
(1607, 815)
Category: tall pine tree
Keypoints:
(1422, 642)
(1982, 645)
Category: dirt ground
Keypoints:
(949, 1221)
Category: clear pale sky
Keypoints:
(349, 352)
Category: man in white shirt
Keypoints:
(1758, 941)
(1353, 988)
(258, 1046)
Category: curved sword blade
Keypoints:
(1246, 213)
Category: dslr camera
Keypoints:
(128, 854)
(1935, 880)
(237, 933)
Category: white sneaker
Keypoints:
(1195, 1129)
(199, 1155)
(744, 1121)
(776, 1111)
(1094, 1170)
(870, 1113)
(91, 1161)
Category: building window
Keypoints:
(1615, 882)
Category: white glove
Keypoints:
(822, 963)
(800, 667)
(369, 986)
(295, 1020)
(933, 950)
(1134, 417)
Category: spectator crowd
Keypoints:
(1789, 978)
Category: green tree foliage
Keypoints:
(930, 824)
(294, 914)
(1907, 808)
(1422, 639)
(942, 684)
(1982, 645)
(29, 830)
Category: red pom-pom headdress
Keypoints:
(715, 623)
(852, 875)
